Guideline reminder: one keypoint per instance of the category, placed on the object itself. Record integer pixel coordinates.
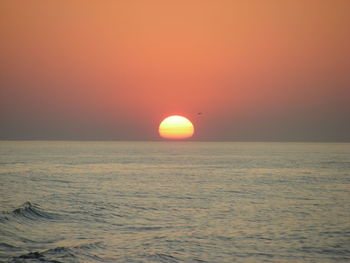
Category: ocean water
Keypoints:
(174, 202)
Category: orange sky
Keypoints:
(258, 70)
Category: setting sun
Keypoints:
(176, 127)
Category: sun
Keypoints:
(176, 127)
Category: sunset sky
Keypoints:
(112, 70)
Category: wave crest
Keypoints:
(33, 212)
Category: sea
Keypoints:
(70, 201)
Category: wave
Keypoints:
(45, 256)
(18, 230)
(60, 255)
(160, 257)
(33, 212)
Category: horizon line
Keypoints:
(161, 140)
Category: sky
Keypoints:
(112, 70)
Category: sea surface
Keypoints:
(174, 202)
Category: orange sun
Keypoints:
(176, 127)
